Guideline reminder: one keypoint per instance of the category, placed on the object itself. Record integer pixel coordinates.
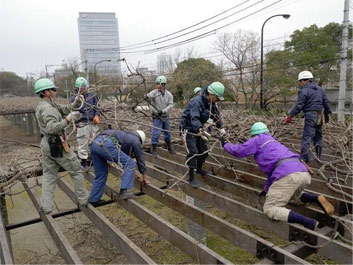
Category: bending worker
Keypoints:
(286, 175)
(87, 126)
(198, 111)
(54, 149)
(119, 147)
(311, 100)
(161, 101)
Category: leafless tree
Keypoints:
(241, 51)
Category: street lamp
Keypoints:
(95, 73)
(286, 16)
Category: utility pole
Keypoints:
(343, 67)
(46, 71)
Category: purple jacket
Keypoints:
(267, 155)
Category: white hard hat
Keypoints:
(142, 135)
(305, 75)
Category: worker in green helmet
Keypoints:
(161, 101)
(287, 176)
(197, 91)
(54, 148)
(199, 113)
(88, 124)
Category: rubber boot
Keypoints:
(320, 200)
(297, 218)
(169, 147)
(193, 182)
(318, 150)
(124, 195)
(202, 172)
(154, 151)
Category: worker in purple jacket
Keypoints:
(286, 175)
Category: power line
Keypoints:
(206, 34)
(200, 28)
(194, 25)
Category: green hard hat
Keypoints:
(43, 84)
(197, 89)
(81, 82)
(217, 88)
(161, 79)
(258, 128)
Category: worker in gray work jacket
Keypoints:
(54, 148)
(161, 101)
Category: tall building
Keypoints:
(99, 40)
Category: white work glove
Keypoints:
(205, 135)
(78, 102)
(73, 116)
(222, 132)
(210, 122)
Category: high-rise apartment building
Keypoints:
(99, 42)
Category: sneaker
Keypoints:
(195, 184)
(326, 205)
(95, 204)
(124, 195)
(84, 164)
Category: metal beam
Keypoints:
(335, 249)
(57, 235)
(247, 178)
(252, 181)
(132, 252)
(6, 255)
(236, 235)
(193, 248)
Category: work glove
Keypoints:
(262, 193)
(73, 116)
(222, 140)
(78, 102)
(327, 117)
(222, 132)
(160, 112)
(288, 119)
(96, 119)
(205, 135)
(210, 122)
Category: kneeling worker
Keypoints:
(117, 146)
(286, 174)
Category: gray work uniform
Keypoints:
(51, 122)
(161, 102)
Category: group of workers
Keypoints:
(287, 173)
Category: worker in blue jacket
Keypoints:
(200, 110)
(311, 100)
(119, 147)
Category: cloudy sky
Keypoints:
(38, 32)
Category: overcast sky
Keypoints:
(38, 32)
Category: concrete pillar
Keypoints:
(30, 124)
